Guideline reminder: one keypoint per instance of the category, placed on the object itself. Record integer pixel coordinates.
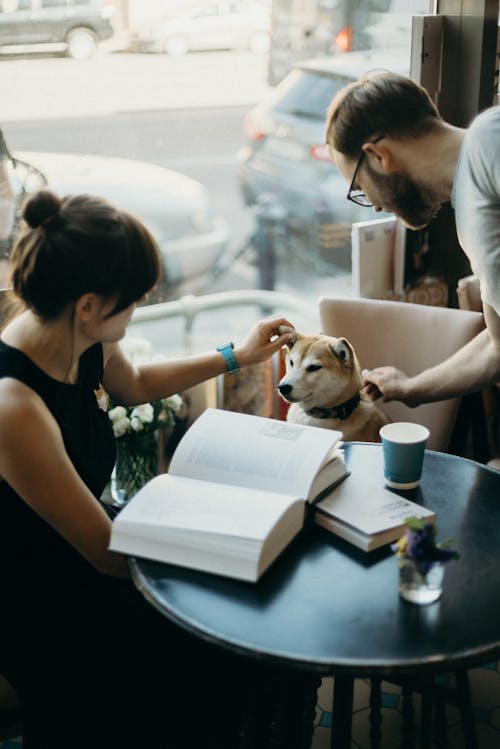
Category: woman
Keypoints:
(93, 663)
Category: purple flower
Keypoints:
(419, 545)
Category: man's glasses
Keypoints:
(358, 196)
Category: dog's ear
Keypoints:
(343, 350)
(287, 329)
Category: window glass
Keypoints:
(217, 120)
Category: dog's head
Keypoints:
(320, 371)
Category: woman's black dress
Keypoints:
(93, 663)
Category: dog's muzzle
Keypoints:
(285, 390)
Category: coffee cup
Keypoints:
(403, 444)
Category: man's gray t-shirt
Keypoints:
(476, 200)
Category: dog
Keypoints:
(323, 385)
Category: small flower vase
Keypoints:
(136, 464)
(417, 587)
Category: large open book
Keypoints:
(234, 496)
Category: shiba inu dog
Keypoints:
(323, 384)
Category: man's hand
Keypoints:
(388, 383)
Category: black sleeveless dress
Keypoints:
(93, 663)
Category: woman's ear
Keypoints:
(87, 306)
(380, 154)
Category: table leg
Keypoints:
(465, 705)
(343, 690)
(375, 713)
(426, 713)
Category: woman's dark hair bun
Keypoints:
(41, 207)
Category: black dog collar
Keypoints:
(336, 412)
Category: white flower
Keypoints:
(144, 413)
(136, 424)
(121, 426)
(117, 413)
(173, 402)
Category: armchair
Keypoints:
(411, 337)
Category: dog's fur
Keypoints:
(322, 382)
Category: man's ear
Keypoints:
(380, 155)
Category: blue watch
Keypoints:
(227, 352)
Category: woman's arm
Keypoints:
(148, 382)
(34, 461)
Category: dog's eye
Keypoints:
(290, 362)
(313, 368)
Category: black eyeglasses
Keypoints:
(358, 196)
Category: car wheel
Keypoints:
(259, 43)
(176, 46)
(82, 43)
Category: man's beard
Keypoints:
(414, 204)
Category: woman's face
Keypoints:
(110, 328)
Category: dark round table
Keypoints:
(327, 607)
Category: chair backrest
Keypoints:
(411, 337)
(469, 294)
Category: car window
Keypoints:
(207, 10)
(11, 6)
(308, 94)
(53, 3)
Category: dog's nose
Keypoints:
(285, 389)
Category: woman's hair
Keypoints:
(79, 244)
(379, 103)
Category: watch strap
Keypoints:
(226, 349)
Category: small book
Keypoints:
(366, 513)
(234, 496)
(373, 257)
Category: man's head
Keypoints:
(364, 119)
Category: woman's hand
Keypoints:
(388, 383)
(262, 341)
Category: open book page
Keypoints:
(211, 527)
(244, 450)
(180, 503)
(331, 474)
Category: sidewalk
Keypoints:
(41, 87)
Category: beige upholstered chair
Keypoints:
(411, 337)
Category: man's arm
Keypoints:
(474, 366)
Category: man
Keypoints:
(398, 154)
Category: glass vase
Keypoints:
(136, 464)
(417, 587)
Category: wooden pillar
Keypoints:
(465, 84)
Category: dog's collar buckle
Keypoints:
(335, 412)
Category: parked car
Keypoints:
(239, 24)
(174, 207)
(71, 26)
(285, 161)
